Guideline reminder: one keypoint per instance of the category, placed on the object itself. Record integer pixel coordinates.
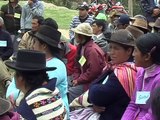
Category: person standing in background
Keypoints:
(31, 9)
(83, 17)
(151, 9)
(11, 13)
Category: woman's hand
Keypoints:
(98, 109)
(75, 82)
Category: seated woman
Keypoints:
(41, 98)
(146, 55)
(111, 92)
(47, 42)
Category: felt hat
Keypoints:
(48, 35)
(123, 37)
(134, 31)
(29, 60)
(5, 106)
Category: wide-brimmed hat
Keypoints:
(4, 106)
(140, 23)
(29, 60)
(83, 29)
(155, 24)
(48, 35)
(123, 37)
(134, 31)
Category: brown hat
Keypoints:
(156, 24)
(123, 37)
(134, 31)
(140, 23)
(4, 106)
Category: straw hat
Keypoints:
(83, 29)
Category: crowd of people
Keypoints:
(109, 69)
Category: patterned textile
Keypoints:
(81, 101)
(46, 105)
(84, 114)
(126, 74)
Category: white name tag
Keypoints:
(142, 97)
(3, 43)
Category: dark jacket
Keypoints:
(147, 8)
(11, 17)
(95, 62)
(110, 95)
(6, 51)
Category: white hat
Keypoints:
(83, 29)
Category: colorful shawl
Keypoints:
(126, 74)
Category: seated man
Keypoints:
(99, 26)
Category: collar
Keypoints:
(100, 35)
(151, 71)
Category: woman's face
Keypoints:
(139, 58)
(118, 54)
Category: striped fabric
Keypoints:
(76, 21)
(126, 74)
(46, 104)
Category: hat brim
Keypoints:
(141, 27)
(6, 106)
(109, 41)
(79, 32)
(12, 65)
(45, 41)
(153, 25)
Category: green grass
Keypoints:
(62, 15)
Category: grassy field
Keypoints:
(62, 15)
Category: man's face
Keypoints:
(83, 12)
(35, 25)
(96, 29)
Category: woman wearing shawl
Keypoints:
(112, 91)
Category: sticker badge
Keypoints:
(3, 43)
(82, 61)
(142, 97)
